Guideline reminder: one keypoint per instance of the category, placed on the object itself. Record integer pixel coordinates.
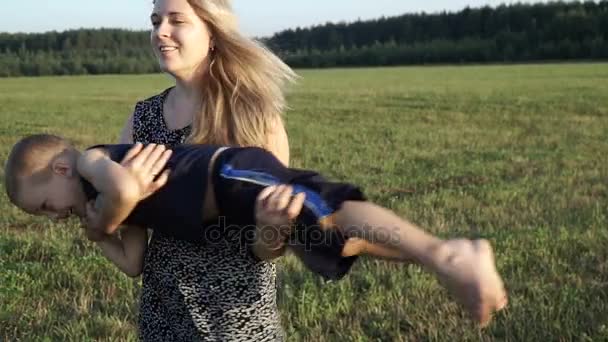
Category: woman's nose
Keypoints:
(163, 29)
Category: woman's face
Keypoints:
(180, 39)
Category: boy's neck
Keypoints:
(73, 156)
(85, 187)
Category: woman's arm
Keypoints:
(268, 249)
(126, 135)
(126, 251)
(277, 142)
(119, 192)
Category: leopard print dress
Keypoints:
(193, 292)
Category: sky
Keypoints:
(257, 18)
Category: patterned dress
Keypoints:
(193, 292)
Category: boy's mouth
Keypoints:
(69, 212)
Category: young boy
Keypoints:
(214, 193)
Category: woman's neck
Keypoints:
(187, 89)
(188, 82)
(183, 103)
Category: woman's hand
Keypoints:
(145, 164)
(93, 223)
(275, 210)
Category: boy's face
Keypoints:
(58, 197)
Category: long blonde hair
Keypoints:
(243, 86)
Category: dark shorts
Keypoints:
(240, 174)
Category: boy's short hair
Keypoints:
(29, 160)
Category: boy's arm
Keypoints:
(126, 252)
(121, 186)
(118, 190)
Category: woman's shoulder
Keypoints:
(147, 111)
(153, 100)
(148, 125)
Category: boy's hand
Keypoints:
(275, 210)
(145, 164)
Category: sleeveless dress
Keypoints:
(200, 293)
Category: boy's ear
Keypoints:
(61, 166)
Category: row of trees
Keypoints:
(539, 22)
(75, 40)
(92, 62)
(445, 51)
(514, 33)
(76, 52)
(520, 32)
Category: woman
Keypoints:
(228, 90)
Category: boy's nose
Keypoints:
(58, 216)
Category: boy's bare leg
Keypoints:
(358, 246)
(466, 268)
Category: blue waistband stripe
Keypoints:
(313, 200)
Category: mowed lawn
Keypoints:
(515, 154)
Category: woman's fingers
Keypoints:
(159, 182)
(295, 207)
(283, 197)
(263, 196)
(147, 161)
(271, 201)
(138, 159)
(291, 212)
(144, 156)
(131, 153)
(160, 162)
(279, 199)
(155, 155)
(263, 205)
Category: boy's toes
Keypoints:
(502, 303)
(484, 316)
(489, 307)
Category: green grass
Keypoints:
(515, 154)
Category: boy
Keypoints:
(202, 185)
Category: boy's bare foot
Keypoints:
(466, 268)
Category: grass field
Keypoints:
(515, 154)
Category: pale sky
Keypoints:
(258, 18)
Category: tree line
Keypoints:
(507, 33)
(75, 52)
(513, 33)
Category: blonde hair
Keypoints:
(243, 86)
(29, 161)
